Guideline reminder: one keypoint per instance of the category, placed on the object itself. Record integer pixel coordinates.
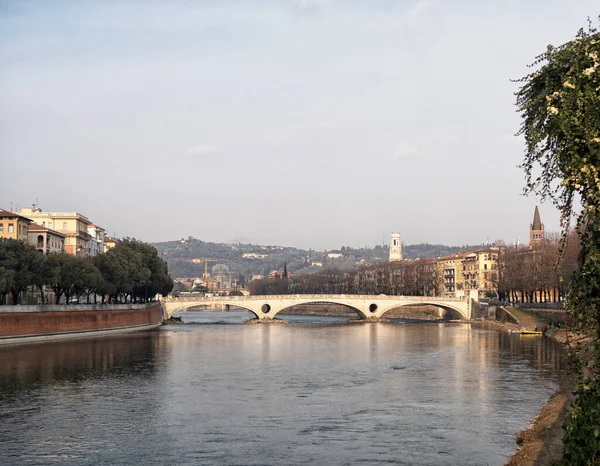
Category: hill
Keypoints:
(186, 257)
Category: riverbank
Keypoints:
(541, 443)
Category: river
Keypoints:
(317, 390)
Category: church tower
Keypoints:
(536, 229)
(395, 247)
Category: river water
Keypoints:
(317, 390)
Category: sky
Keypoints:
(308, 123)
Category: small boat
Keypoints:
(530, 332)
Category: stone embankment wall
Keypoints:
(21, 321)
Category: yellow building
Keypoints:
(480, 272)
(13, 225)
(450, 269)
(109, 243)
(73, 225)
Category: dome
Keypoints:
(220, 269)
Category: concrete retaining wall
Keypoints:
(22, 321)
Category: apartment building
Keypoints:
(480, 271)
(96, 243)
(450, 269)
(72, 224)
(46, 240)
(13, 225)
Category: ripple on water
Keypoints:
(294, 394)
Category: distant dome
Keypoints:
(220, 269)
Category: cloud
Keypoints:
(405, 149)
(201, 149)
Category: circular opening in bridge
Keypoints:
(373, 307)
(265, 308)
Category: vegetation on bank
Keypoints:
(130, 272)
(560, 107)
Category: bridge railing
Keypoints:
(318, 297)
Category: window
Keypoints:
(11, 228)
(64, 225)
(1, 227)
(484, 266)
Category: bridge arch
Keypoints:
(358, 311)
(455, 311)
(185, 307)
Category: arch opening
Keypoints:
(423, 311)
(322, 308)
(232, 306)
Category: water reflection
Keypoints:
(302, 392)
(30, 365)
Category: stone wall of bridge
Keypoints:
(368, 307)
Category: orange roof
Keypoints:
(7, 214)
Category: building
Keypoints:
(480, 272)
(335, 255)
(536, 229)
(109, 243)
(72, 224)
(220, 274)
(96, 242)
(13, 226)
(395, 247)
(450, 269)
(46, 240)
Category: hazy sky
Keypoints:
(311, 123)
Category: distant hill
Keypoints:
(186, 257)
(426, 250)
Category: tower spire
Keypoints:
(536, 229)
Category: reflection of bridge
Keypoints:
(366, 306)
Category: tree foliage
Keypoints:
(131, 271)
(560, 107)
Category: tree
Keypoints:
(560, 107)
(20, 263)
(65, 275)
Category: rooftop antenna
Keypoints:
(11, 206)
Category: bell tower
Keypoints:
(536, 229)
(395, 247)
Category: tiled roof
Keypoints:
(7, 214)
(35, 228)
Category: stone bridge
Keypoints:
(366, 306)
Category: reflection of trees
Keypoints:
(76, 360)
(543, 353)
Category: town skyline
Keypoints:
(308, 123)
